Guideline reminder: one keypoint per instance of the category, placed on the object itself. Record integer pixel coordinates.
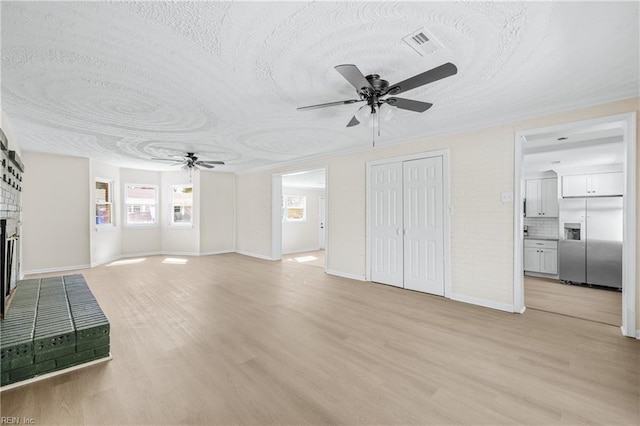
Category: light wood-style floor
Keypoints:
(228, 339)
(309, 258)
(592, 304)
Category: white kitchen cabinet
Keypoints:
(531, 259)
(549, 261)
(593, 185)
(541, 256)
(542, 197)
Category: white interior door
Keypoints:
(423, 225)
(323, 213)
(386, 224)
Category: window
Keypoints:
(294, 208)
(181, 204)
(141, 203)
(104, 202)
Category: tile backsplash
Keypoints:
(542, 227)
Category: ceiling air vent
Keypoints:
(422, 42)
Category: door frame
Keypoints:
(627, 122)
(323, 219)
(446, 206)
(276, 211)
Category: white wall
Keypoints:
(217, 212)
(55, 219)
(481, 225)
(179, 239)
(66, 237)
(140, 240)
(105, 239)
(253, 214)
(303, 236)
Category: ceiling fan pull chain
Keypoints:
(373, 136)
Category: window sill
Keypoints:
(143, 226)
(105, 228)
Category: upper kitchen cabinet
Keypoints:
(593, 185)
(542, 197)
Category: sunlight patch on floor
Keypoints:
(303, 259)
(127, 261)
(175, 261)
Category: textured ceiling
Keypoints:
(591, 145)
(315, 179)
(125, 81)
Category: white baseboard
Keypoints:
(304, 250)
(23, 274)
(142, 254)
(623, 331)
(211, 253)
(522, 311)
(179, 253)
(482, 302)
(345, 275)
(259, 256)
(107, 260)
(56, 269)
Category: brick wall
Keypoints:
(11, 183)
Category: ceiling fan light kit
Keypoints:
(374, 90)
(190, 162)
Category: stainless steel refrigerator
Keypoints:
(590, 243)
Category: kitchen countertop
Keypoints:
(540, 238)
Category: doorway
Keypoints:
(302, 216)
(559, 156)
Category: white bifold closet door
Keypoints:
(386, 224)
(407, 225)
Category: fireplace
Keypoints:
(11, 170)
(9, 259)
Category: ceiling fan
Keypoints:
(190, 162)
(373, 90)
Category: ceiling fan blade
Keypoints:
(207, 162)
(409, 104)
(351, 101)
(166, 159)
(206, 166)
(435, 74)
(353, 76)
(354, 122)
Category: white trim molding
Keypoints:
(212, 253)
(346, 275)
(56, 269)
(485, 303)
(256, 255)
(107, 260)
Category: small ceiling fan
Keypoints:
(373, 90)
(190, 162)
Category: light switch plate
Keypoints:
(507, 197)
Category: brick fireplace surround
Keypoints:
(49, 324)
